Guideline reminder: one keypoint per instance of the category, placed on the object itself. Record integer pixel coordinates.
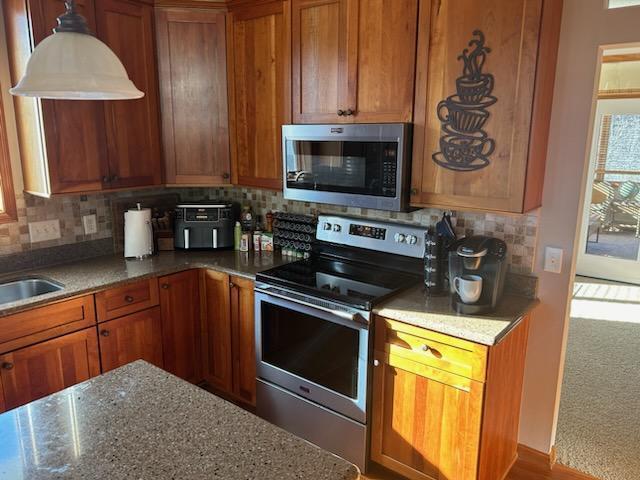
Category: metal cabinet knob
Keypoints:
(341, 113)
(106, 179)
(7, 365)
(128, 299)
(225, 175)
(414, 191)
(376, 363)
(349, 112)
(104, 333)
(232, 285)
(165, 286)
(115, 178)
(425, 348)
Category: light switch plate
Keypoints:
(45, 230)
(553, 259)
(90, 224)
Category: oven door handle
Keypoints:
(351, 317)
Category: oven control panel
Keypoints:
(388, 237)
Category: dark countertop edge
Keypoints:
(55, 297)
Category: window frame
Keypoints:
(10, 212)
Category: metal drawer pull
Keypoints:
(104, 333)
(425, 348)
(376, 363)
(165, 286)
(128, 299)
(7, 365)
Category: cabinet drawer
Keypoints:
(434, 349)
(43, 323)
(116, 302)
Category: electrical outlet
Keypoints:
(45, 230)
(553, 259)
(90, 223)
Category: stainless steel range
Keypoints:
(313, 342)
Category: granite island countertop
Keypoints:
(140, 422)
(435, 313)
(92, 275)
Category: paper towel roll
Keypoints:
(138, 233)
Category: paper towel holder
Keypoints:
(138, 233)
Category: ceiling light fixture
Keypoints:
(72, 64)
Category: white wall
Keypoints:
(586, 27)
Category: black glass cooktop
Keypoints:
(355, 284)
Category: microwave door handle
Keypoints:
(215, 237)
(351, 317)
(186, 238)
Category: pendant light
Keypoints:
(72, 64)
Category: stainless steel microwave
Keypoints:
(357, 165)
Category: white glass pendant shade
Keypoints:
(75, 66)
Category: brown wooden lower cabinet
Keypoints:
(180, 306)
(228, 334)
(430, 423)
(133, 337)
(39, 370)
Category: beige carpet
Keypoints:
(599, 419)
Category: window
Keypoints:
(623, 3)
(7, 197)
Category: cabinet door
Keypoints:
(44, 368)
(243, 336)
(216, 330)
(257, 54)
(425, 421)
(134, 337)
(323, 61)
(193, 87)
(511, 29)
(73, 131)
(133, 137)
(387, 36)
(181, 340)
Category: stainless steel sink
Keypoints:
(15, 290)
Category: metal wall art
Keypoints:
(464, 145)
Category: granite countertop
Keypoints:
(435, 313)
(99, 273)
(140, 422)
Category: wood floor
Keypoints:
(531, 465)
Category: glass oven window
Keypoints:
(366, 168)
(317, 350)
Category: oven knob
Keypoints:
(337, 228)
(327, 226)
(412, 239)
(399, 237)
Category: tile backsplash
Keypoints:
(518, 231)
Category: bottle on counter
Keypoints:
(247, 219)
(237, 236)
(269, 222)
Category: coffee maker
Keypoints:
(477, 270)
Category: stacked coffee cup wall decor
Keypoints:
(464, 145)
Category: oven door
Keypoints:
(352, 165)
(312, 352)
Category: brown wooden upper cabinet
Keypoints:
(193, 86)
(479, 141)
(258, 105)
(133, 133)
(353, 60)
(83, 146)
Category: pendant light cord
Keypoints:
(71, 21)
